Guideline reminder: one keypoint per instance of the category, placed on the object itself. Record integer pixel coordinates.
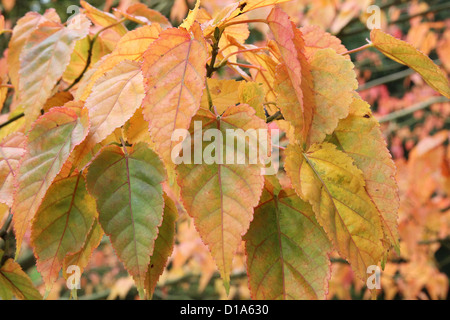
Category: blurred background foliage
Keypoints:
(414, 120)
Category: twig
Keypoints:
(276, 116)
(5, 227)
(215, 51)
(91, 47)
(414, 108)
(364, 47)
(402, 19)
(20, 115)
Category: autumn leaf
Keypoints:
(81, 258)
(114, 99)
(404, 53)
(360, 137)
(21, 35)
(334, 84)
(61, 225)
(287, 250)
(335, 187)
(316, 38)
(130, 47)
(102, 18)
(44, 59)
(127, 186)
(80, 56)
(163, 246)
(141, 12)
(224, 93)
(11, 150)
(252, 93)
(293, 79)
(220, 196)
(174, 72)
(13, 281)
(49, 143)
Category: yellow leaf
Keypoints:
(102, 18)
(335, 187)
(130, 47)
(224, 94)
(406, 54)
(114, 99)
(360, 137)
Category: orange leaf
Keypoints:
(174, 72)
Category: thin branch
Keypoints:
(5, 227)
(276, 116)
(418, 106)
(437, 8)
(364, 47)
(12, 120)
(91, 47)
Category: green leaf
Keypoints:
(287, 250)
(49, 144)
(127, 187)
(163, 246)
(61, 225)
(13, 281)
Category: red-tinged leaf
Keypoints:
(287, 250)
(49, 143)
(130, 47)
(406, 54)
(104, 19)
(127, 186)
(81, 258)
(174, 72)
(61, 225)
(20, 37)
(221, 196)
(335, 187)
(360, 137)
(293, 76)
(13, 281)
(317, 38)
(142, 12)
(114, 99)
(163, 246)
(334, 83)
(43, 61)
(11, 150)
